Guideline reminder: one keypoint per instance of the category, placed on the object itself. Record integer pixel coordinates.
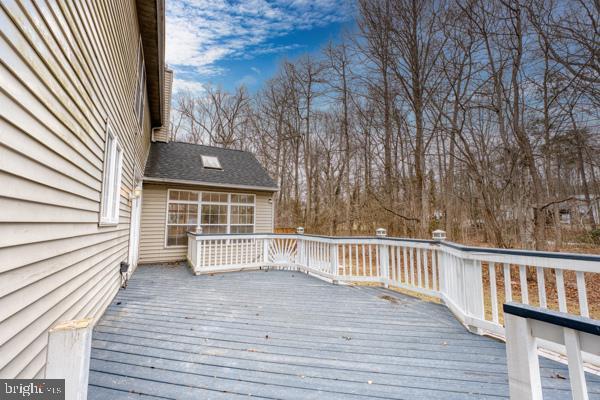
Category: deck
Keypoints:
(287, 335)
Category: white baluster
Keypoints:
(582, 293)
(541, 282)
(560, 289)
(524, 287)
(494, 295)
(507, 283)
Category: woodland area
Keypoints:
(480, 117)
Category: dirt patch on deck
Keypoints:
(389, 298)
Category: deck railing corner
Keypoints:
(473, 282)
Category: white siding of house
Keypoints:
(66, 67)
(154, 214)
(162, 134)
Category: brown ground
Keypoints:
(592, 283)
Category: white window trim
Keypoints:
(109, 209)
(199, 202)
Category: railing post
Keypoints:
(333, 256)
(439, 235)
(68, 358)
(575, 363)
(197, 248)
(472, 281)
(266, 244)
(300, 260)
(442, 260)
(522, 359)
(384, 265)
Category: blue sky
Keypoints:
(228, 43)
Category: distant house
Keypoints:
(576, 210)
(84, 103)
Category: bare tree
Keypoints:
(477, 116)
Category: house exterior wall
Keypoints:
(154, 214)
(162, 134)
(67, 68)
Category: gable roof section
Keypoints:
(182, 163)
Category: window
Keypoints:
(213, 211)
(211, 162)
(182, 216)
(111, 180)
(242, 213)
(140, 89)
(212, 197)
(214, 218)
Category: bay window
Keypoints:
(214, 212)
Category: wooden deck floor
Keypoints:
(286, 335)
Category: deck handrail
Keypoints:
(525, 325)
(458, 246)
(473, 282)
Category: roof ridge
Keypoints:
(212, 147)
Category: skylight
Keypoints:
(211, 162)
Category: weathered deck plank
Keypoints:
(285, 335)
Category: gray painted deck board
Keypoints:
(286, 335)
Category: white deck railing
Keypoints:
(473, 282)
(525, 326)
(469, 280)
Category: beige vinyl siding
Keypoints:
(162, 134)
(154, 214)
(66, 67)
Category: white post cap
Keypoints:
(199, 230)
(381, 232)
(439, 234)
(300, 230)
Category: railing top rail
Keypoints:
(295, 235)
(571, 321)
(452, 245)
(522, 252)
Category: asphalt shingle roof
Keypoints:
(182, 161)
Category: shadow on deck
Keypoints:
(286, 335)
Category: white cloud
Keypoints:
(194, 87)
(247, 80)
(270, 48)
(202, 32)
